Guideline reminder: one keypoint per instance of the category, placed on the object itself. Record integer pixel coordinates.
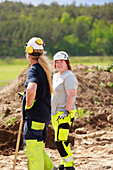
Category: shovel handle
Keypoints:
(18, 142)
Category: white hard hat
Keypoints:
(34, 44)
(61, 55)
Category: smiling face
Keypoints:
(61, 66)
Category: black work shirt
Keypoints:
(41, 110)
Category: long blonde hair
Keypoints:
(43, 61)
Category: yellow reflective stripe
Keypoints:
(37, 125)
(29, 107)
(69, 152)
(69, 159)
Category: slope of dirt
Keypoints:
(91, 137)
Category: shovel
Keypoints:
(18, 142)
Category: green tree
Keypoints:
(82, 31)
(100, 38)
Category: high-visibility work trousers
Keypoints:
(34, 142)
(61, 128)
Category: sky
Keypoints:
(63, 2)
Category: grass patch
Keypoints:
(10, 68)
(10, 121)
(110, 84)
(81, 113)
(14, 61)
(10, 72)
(93, 60)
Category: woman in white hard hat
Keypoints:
(63, 107)
(37, 106)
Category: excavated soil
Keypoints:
(91, 137)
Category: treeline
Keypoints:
(79, 30)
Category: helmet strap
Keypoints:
(36, 54)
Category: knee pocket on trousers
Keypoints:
(63, 134)
(63, 131)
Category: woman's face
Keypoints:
(61, 66)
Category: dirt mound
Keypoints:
(94, 97)
(10, 113)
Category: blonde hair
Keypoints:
(43, 61)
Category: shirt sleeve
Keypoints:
(31, 76)
(70, 82)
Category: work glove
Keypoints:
(20, 95)
(65, 114)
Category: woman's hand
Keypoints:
(65, 114)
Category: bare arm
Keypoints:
(70, 99)
(31, 93)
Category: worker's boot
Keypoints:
(61, 167)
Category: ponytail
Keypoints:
(42, 60)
